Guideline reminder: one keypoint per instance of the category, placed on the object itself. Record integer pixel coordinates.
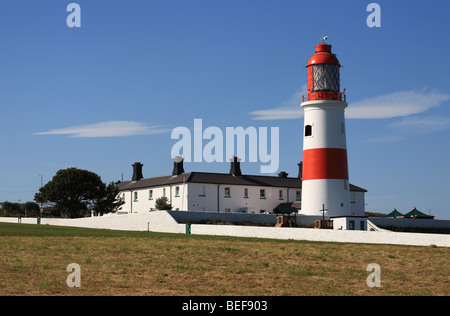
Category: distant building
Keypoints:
(414, 213)
(394, 214)
(220, 192)
(350, 223)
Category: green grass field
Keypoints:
(34, 258)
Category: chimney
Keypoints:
(300, 170)
(235, 169)
(283, 174)
(177, 166)
(137, 171)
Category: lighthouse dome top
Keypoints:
(323, 55)
(324, 75)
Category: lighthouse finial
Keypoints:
(324, 38)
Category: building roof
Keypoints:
(287, 208)
(417, 214)
(218, 178)
(394, 214)
(154, 182)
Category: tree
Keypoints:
(108, 200)
(31, 209)
(72, 190)
(11, 209)
(163, 204)
(17, 209)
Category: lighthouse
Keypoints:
(325, 185)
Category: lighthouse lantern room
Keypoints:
(325, 169)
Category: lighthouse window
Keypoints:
(326, 78)
(308, 130)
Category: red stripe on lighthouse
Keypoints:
(325, 163)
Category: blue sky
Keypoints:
(105, 95)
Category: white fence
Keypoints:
(162, 221)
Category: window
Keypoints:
(298, 195)
(343, 127)
(202, 191)
(361, 225)
(351, 225)
(280, 195)
(164, 191)
(227, 210)
(135, 196)
(325, 78)
(150, 194)
(262, 193)
(245, 193)
(227, 192)
(308, 130)
(177, 191)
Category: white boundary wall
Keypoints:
(153, 221)
(162, 221)
(324, 235)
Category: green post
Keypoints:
(38, 220)
(188, 229)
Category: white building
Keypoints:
(219, 192)
(350, 223)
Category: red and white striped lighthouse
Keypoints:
(325, 168)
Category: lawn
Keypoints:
(34, 258)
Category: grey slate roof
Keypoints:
(218, 178)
